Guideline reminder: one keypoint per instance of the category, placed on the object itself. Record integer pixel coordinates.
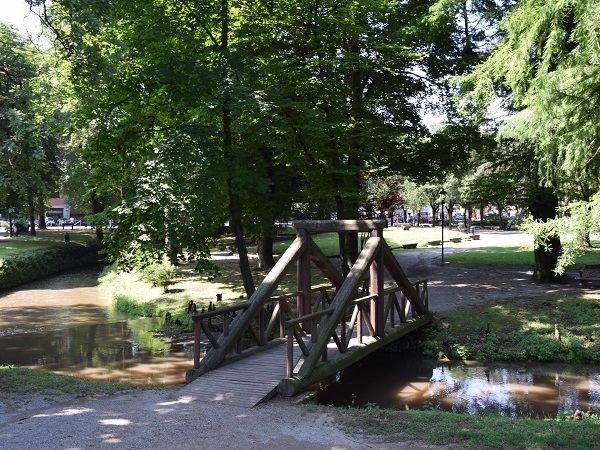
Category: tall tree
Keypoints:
(545, 62)
(29, 123)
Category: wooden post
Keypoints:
(376, 288)
(261, 327)
(196, 344)
(304, 282)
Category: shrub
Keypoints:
(159, 274)
(29, 266)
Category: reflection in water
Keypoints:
(122, 351)
(511, 389)
(63, 323)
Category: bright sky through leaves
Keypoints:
(16, 12)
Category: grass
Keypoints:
(520, 329)
(491, 432)
(494, 255)
(44, 239)
(22, 381)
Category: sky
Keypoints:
(16, 12)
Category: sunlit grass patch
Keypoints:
(23, 380)
(552, 328)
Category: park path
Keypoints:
(457, 285)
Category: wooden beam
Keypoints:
(215, 357)
(345, 295)
(376, 287)
(324, 264)
(292, 385)
(326, 226)
(303, 272)
(395, 270)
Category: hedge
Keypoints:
(23, 268)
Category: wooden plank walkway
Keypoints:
(253, 380)
(246, 383)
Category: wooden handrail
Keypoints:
(346, 329)
(369, 313)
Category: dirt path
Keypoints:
(171, 418)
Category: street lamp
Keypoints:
(442, 193)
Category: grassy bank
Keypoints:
(24, 381)
(476, 432)
(557, 328)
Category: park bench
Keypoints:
(412, 245)
(434, 243)
(590, 272)
(475, 237)
(456, 240)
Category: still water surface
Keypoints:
(63, 323)
(510, 389)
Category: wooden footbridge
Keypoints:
(306, 336)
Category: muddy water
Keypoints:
(510, 389)
(64, 324)
(68, 299)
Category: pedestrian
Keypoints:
(67, 238)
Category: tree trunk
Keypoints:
(240, 242)
(10, 225)
(97, 208)
(41, 211)
(235, 207)
(31, 207)
(265, 254)
(543, 207)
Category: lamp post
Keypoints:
(442, 193)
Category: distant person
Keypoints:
(67, 238)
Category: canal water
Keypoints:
(403, 382)
(63, 323)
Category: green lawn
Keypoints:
(513, 255)
(44, 239)
(395, 237)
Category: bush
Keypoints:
(25, 267)
(159, 274)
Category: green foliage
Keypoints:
(545, 66)
(16, 269)
(159, 274)
(31, 123)
(521, 329)
(576, 222)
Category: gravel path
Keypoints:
(170, 418)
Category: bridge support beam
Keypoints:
(289, 387)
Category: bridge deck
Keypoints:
(255, 379)
(245, 383)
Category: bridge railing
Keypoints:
(264, 310)
(398, 310)
(277, 310)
